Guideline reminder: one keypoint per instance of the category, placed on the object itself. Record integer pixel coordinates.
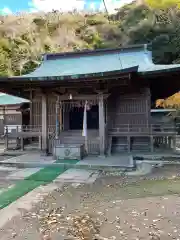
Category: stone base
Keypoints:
(44, 153)
(69, 151)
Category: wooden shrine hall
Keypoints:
(100, 99)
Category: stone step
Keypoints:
(79, 133)
(77, 176)
(6, 169)
(140, 145)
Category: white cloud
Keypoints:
(92, 6)
(33, 10)
(5, 11)
(70, 5)
(111, 5)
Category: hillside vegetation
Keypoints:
(23, 38)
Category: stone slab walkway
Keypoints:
(30, 158)
(77, 176)
(37, 160)
(109, 161)
(22, 174)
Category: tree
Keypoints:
(170, 102)
(23, 38)
(163, 4)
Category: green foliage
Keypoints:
(24, 38)
(163, 3)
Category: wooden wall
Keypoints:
(129, 108)
(52, 112)
(36, 111)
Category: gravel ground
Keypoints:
(4, 157)
(4, 184)
(124, 208)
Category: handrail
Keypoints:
(144, 128)
(120, 128)
(27, 128)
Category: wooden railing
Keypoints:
(143, 129)
(15, 130)
(24, 131)
(156, 130)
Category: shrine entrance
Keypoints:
(76, 118)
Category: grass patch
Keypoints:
(20, 189)
(143, 188)
(147, 188)
(109, 190)
(69, 161)
(48, 174)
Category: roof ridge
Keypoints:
(85, 52)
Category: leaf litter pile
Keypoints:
(75, 227)
(117, 220)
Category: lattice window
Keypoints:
(36, 112)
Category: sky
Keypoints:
(13, 6)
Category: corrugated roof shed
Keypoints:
(6, 99)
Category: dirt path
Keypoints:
(127, 208)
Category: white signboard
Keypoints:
(13, 128)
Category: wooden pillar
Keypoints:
(101, 125)
(57, 118)
(174, 143)
(60, 117)
(31, 113)
(4, 117)
(31, 109)
(6, 138)
(129, 143)
(40, 142)
(169, 142)
(22, 143)
(17, 138)
(152, 143)
(44, 123)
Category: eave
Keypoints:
(20, 86)
(161, 72)
(55, 79)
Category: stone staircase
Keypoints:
(71, 137)
(140, 144)
(120, 144)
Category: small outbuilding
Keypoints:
(14, 112)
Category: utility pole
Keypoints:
(105, 6)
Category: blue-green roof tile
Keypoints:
(99, 62)
(6, 99)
